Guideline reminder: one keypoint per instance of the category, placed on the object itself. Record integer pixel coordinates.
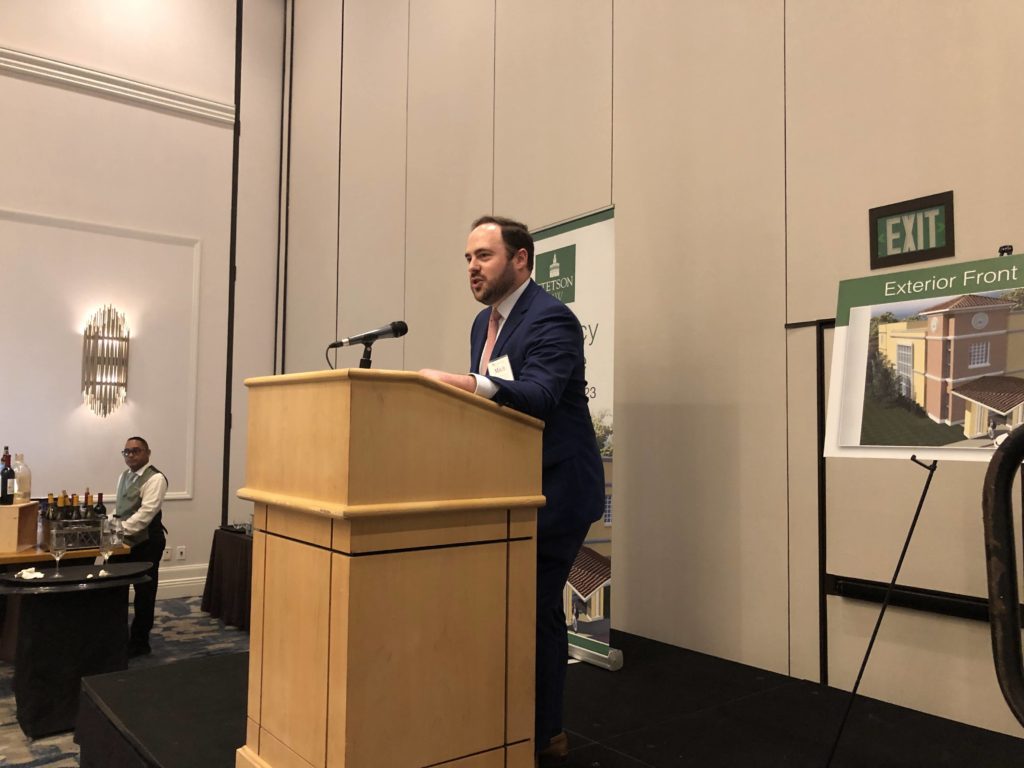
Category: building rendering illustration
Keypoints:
(962, 361)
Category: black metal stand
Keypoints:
(885, 603)
(364, 361)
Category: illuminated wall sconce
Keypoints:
(105, 361)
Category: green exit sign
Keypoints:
(914, 230)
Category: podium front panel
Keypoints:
(296, 616)
(426, 665)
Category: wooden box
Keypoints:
(18, 526)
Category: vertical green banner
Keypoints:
(575, 262)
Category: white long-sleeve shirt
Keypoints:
(152, 496)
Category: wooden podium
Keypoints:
(394, 570)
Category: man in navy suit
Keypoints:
(529, 356)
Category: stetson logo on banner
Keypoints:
(556, 273)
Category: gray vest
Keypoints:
(129, 499)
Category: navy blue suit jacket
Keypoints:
(544, 344)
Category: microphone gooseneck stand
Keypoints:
(364, 361)
(885, 603)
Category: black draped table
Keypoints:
(11, 562)
(228, 591)
(69, 626)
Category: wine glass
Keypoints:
(107, 542)
(58, 546)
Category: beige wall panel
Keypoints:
(449, 172)
(257, 228)
(187, 45)
(313, 189)
(553, 109)
(930, 663)
(889, 101)
(700, 354)
(371, 277)
(802, 448)
(871, 503)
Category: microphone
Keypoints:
(389, 331)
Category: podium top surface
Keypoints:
(385, 376)
(357, 442)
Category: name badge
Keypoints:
(501, 369)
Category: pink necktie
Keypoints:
(492, 335)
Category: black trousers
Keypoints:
(555, 556)
(149, 551)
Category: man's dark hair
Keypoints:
(139, 439)
(514, 234)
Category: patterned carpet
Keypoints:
(182, 631)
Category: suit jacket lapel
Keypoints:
(477, 338)
(518, 313)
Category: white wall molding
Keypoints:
(64, 75)
(181, 580)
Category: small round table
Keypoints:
(69, 626)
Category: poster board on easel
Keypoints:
(928, 362)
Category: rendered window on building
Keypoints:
(978, 354)
(905, 369)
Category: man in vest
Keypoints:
(140, 496)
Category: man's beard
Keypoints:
(501, 287)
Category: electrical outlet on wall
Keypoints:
(167, 554)
(180, 552)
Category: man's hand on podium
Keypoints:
(461, 380)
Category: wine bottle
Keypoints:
(22, 480)
(100, 510)
(6, 479)
(51, 506)
(60, 507)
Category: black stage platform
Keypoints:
(666, 707)
(185, 714)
